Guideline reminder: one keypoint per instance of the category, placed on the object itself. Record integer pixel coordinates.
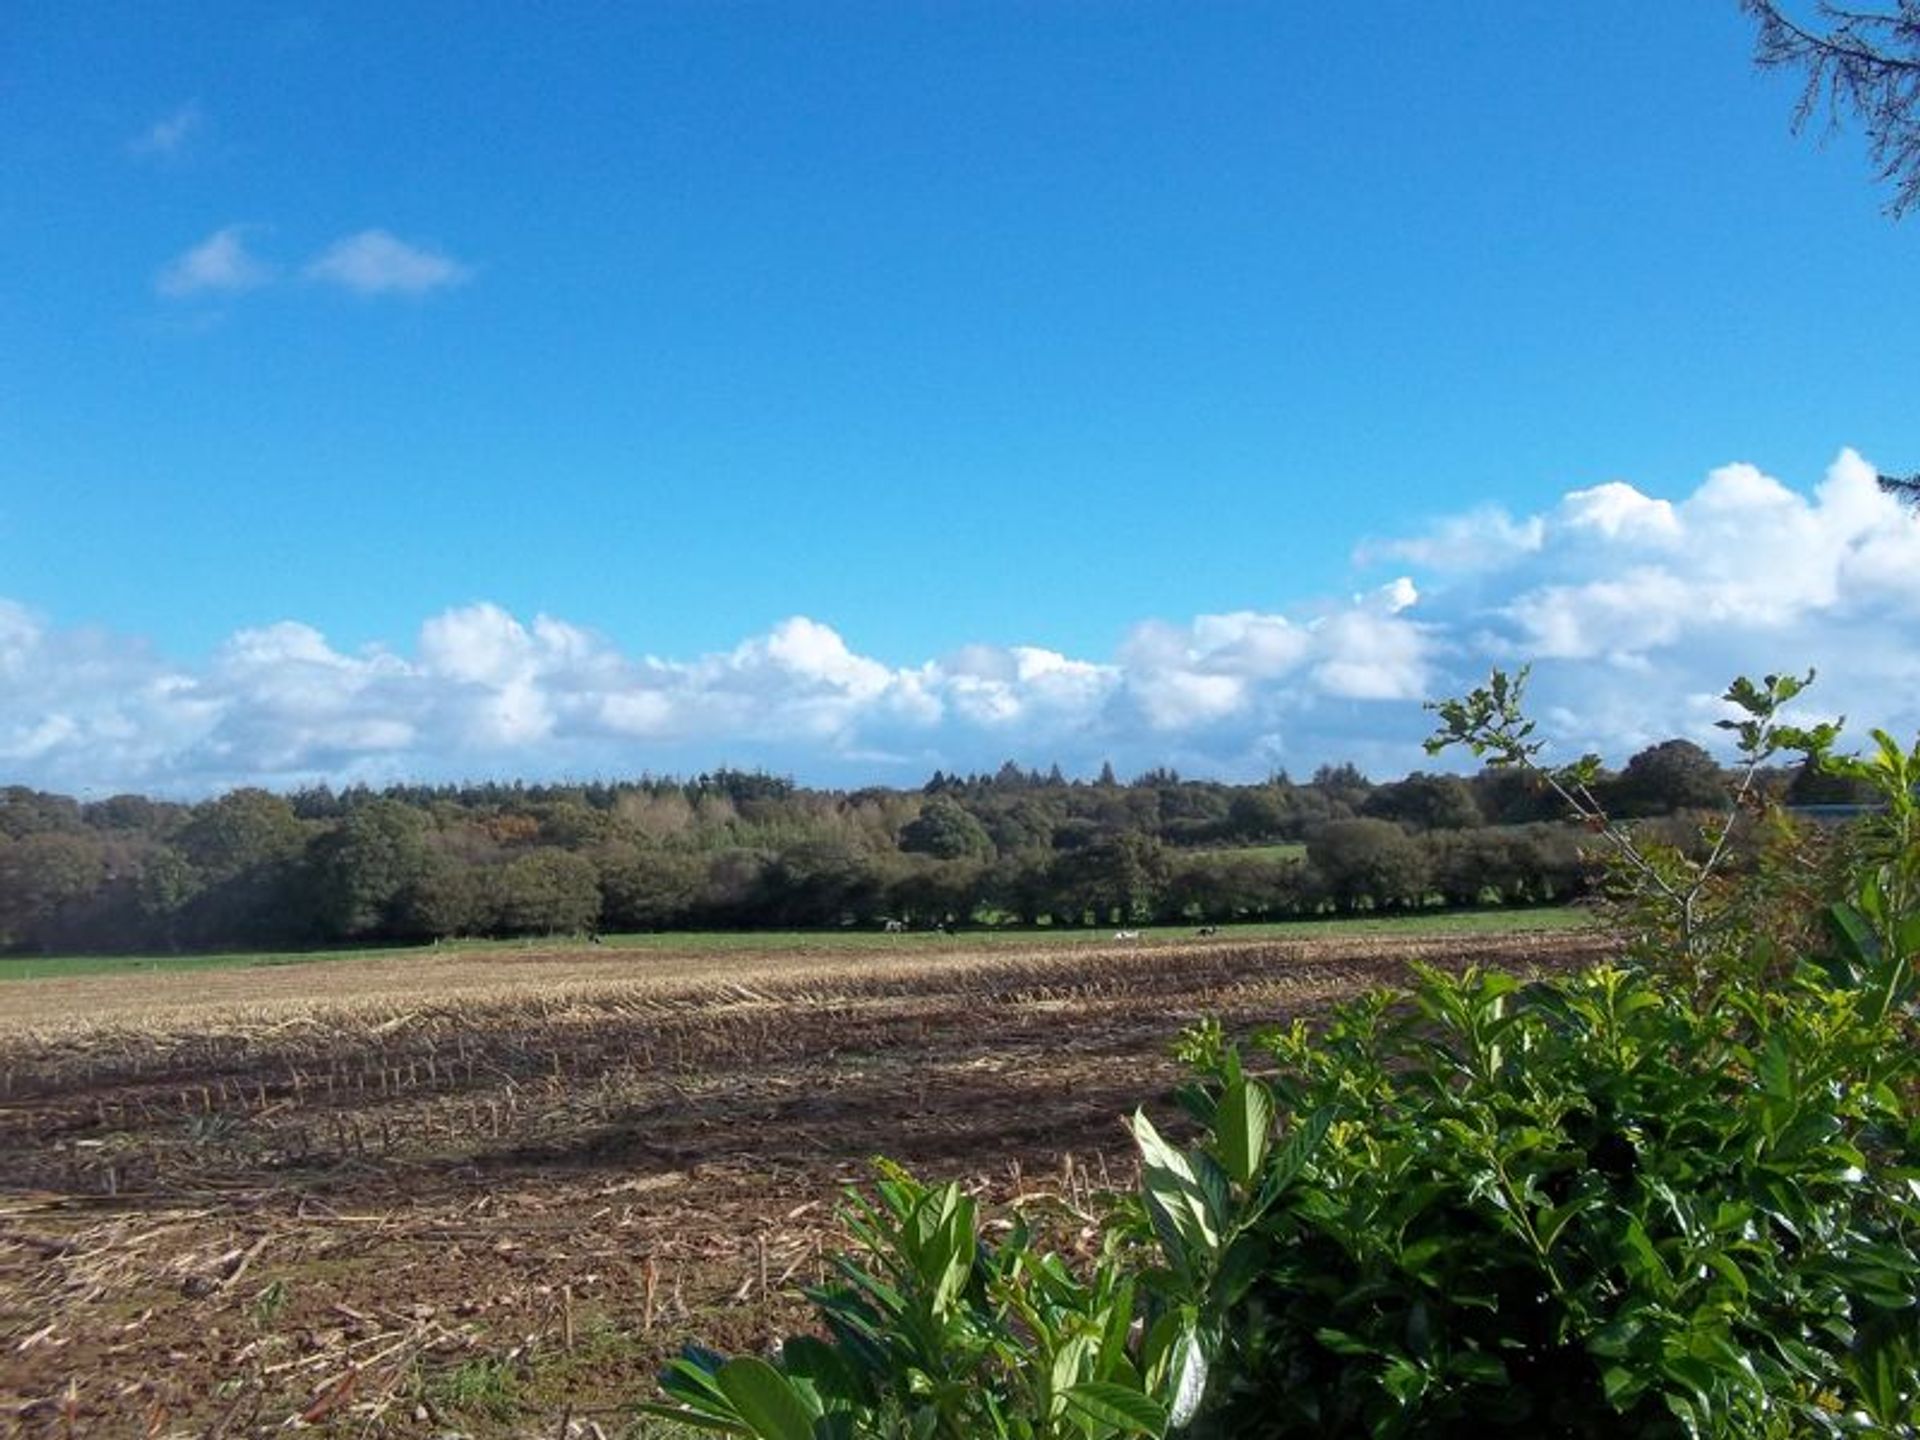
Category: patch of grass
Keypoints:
(604, 1353)
(607, 1367)
(484, 1388)
(48, 967)
(1283, 850)
(1426, 922)
(1429, 922)
(821, 942)
(268, 1302)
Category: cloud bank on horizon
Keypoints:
(1635, 610)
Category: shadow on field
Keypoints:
(948, 1124)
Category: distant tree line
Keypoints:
(746, 850)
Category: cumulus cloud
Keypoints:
(1636, 609)
(169, 136)
(485, 691)
(375, 262)
(1371, 655)
(1020, 690)
(280, 699)
(220, 264)
(1742, 555)
(1617, 511)
(1481, 539)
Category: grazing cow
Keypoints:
(1126, 934)
(1208, 930)
(893, 927)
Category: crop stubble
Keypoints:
(485, 1193)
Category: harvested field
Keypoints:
(453, 1194)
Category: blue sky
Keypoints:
(444, 390)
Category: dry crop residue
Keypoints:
(485, 1194)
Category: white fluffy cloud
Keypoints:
(1636, 610)
(375, 262)
(483, 691)
(220, 264)
(1742, 555)
(1481, 539)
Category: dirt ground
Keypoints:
(464, 1195)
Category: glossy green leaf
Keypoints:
(766, 1401)
(1127, 1412)
(1189, 1378)
(1242, 1125)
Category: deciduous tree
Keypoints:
(1369, 862)
(1858, 62)
(547, 892)
(945, 831)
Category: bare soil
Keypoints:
(485, 1194)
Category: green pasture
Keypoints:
(1285, 850)
(825, 942)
